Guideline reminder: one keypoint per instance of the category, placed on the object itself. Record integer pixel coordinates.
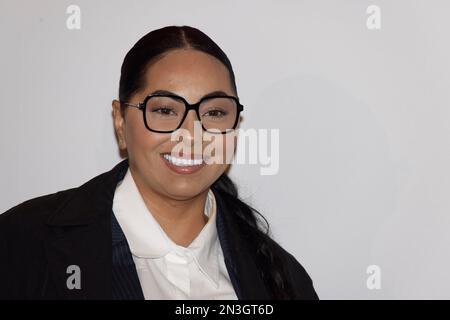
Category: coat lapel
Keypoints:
(125, 281)
(79, 261)
(239, 259)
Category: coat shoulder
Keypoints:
(299, 277)
(32, 213)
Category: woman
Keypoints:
(161, 224)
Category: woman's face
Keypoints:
(190, 74)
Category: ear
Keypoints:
(119, 124)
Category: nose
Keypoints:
(192, 124)
(189, 121)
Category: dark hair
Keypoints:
(147, 51)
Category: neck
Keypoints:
(181, 220)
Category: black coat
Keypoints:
(41, 237)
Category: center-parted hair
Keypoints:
(149, 49)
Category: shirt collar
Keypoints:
(148, 240)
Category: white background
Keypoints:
(363, 115)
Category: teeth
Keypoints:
(182, 162)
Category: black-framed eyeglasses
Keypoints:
(165, 113)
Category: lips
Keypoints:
(183, 165)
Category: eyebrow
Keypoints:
(213, 93)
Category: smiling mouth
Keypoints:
(194, 160)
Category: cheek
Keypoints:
(222, 151)
(223, 148)
(142, 143)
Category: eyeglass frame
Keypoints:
(194, 106)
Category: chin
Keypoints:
(184, 193)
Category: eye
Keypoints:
(216, 113)
(165, 111)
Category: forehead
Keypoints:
(189, 73)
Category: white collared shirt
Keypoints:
(167, 270)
